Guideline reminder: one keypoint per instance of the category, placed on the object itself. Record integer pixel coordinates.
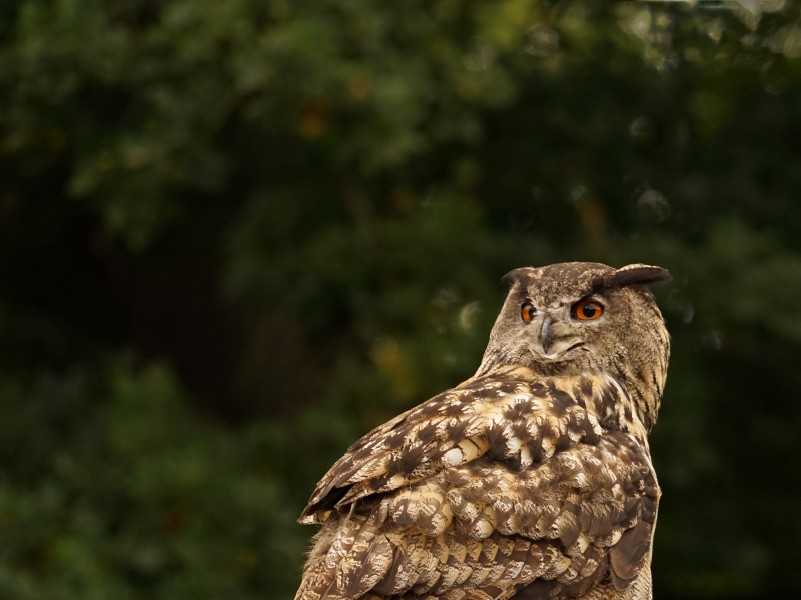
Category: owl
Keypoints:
(530, 480)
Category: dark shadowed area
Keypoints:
(235, 236)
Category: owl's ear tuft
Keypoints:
(516, 276)
(636, 274)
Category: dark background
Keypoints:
(234, 236)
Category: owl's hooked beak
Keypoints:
(550, 340)
(546, 333)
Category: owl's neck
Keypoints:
(631, 408)
(643, 375)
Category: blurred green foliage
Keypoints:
(111, 489)
(235, 236)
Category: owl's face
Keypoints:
(572, 318)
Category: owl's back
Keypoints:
(506, 484)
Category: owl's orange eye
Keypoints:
(587, 310)
(527, 312)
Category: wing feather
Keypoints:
(503, 414)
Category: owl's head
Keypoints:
(574, 318)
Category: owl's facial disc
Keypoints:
(556, 332)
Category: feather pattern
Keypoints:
(514, 479)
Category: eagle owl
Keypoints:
(532, 479)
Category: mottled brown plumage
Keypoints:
(531, 480)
